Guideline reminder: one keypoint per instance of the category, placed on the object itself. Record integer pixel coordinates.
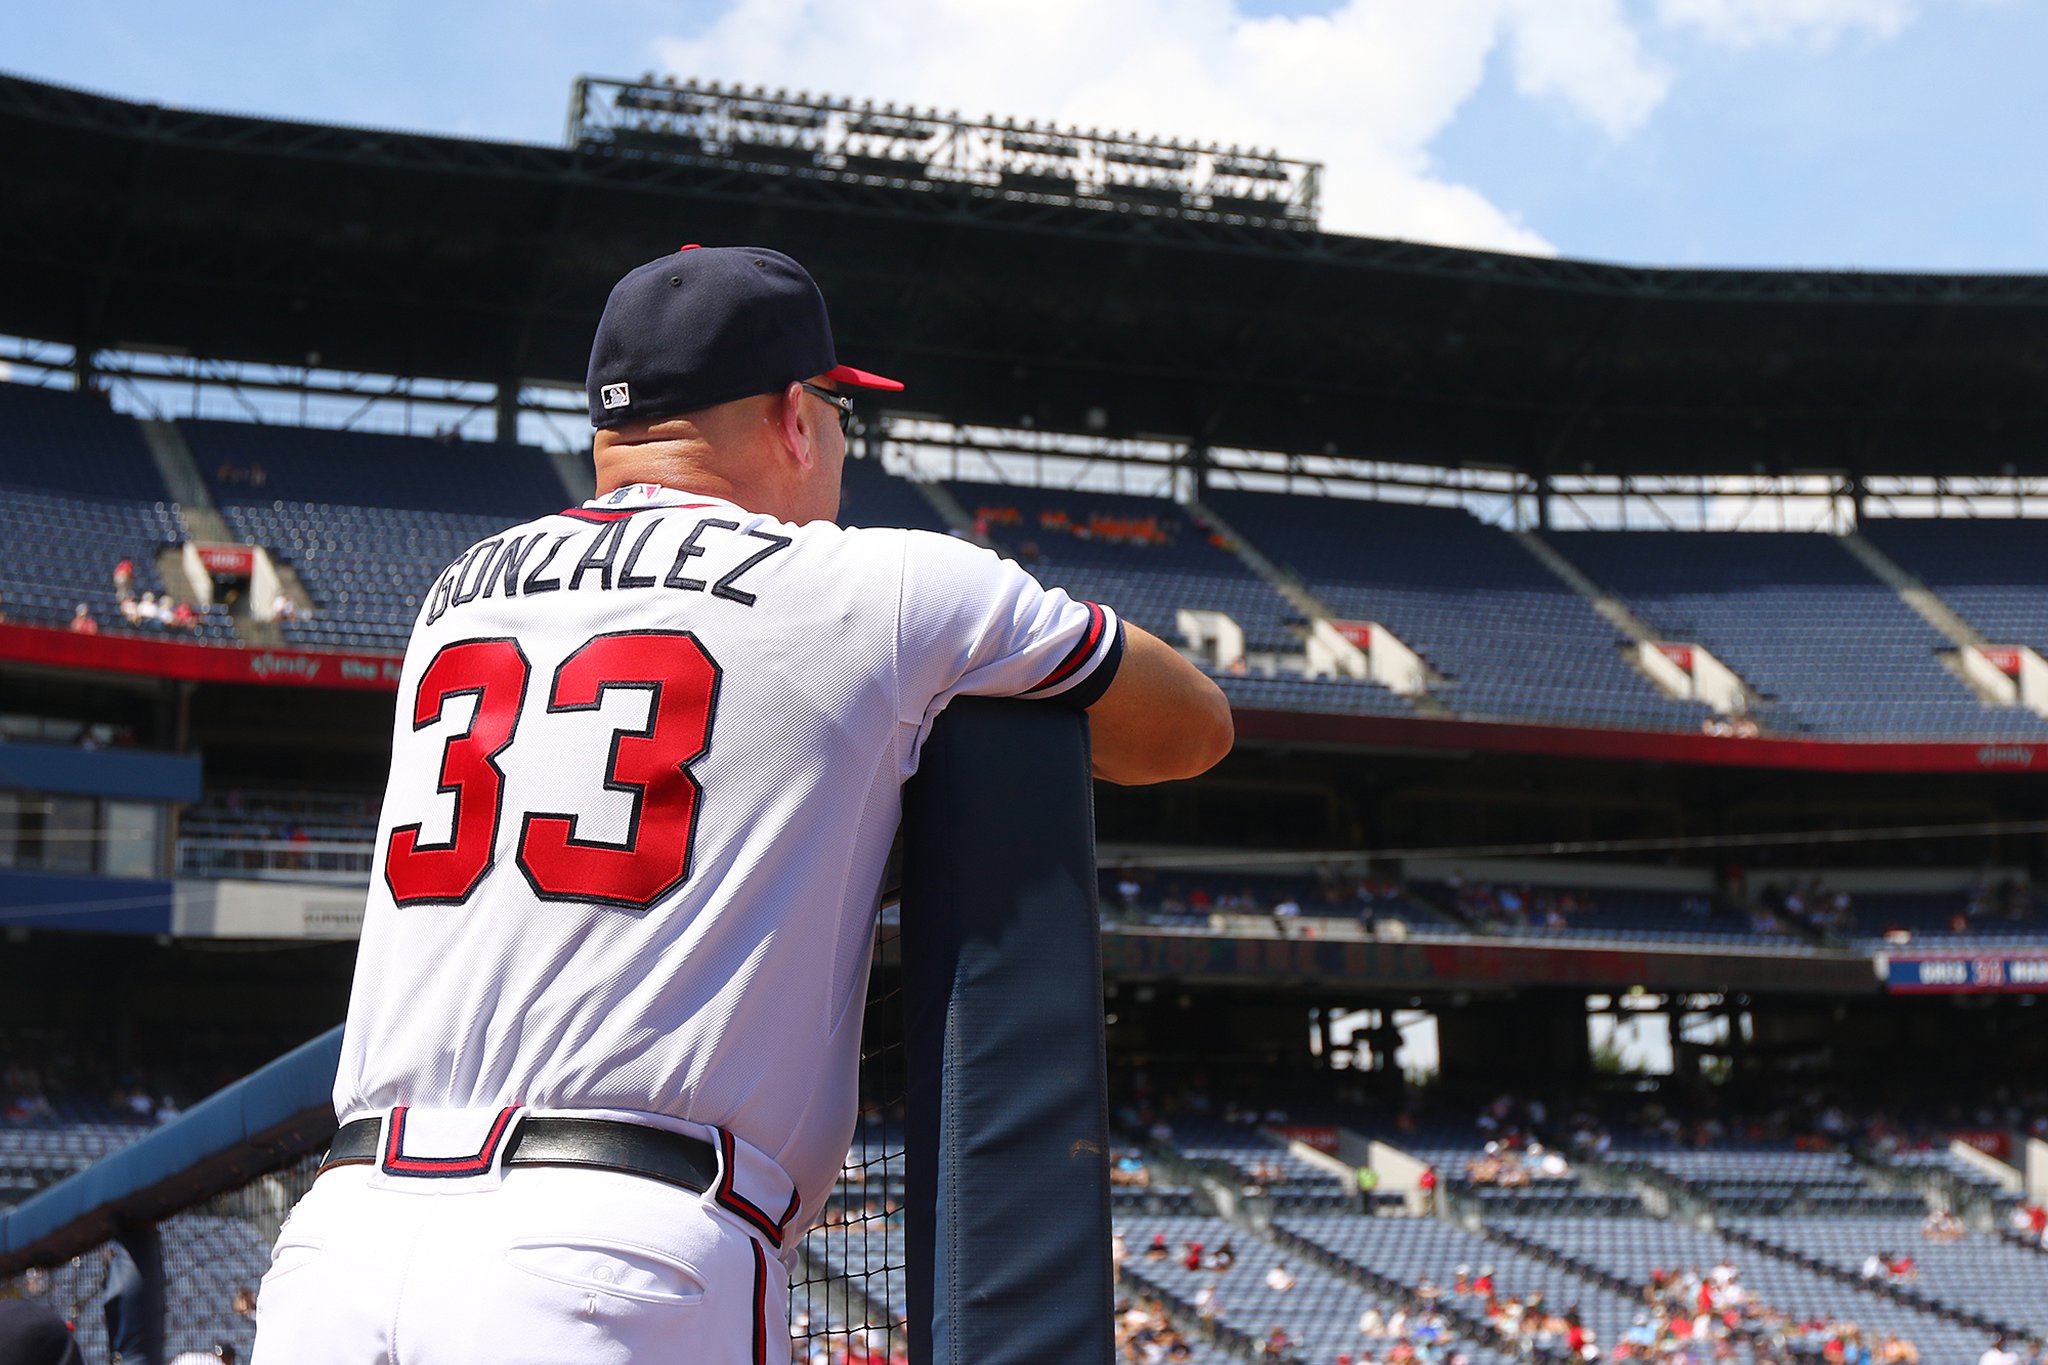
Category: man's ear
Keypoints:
(795, 434)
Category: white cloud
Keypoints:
(1814, 23)
(1364, 88)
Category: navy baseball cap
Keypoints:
(708, 325)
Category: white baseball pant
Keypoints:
(537, 1265)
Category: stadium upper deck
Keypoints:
(362, 523)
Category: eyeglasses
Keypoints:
(837, 400)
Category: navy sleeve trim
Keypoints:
(1089, 690)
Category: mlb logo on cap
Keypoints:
(709, 325)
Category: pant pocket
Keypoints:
(609, 1267)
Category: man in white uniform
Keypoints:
(600, 1064)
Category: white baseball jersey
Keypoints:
(645, 775)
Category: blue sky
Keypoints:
(1878, 134)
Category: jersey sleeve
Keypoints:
(970, 623)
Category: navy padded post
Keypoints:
(1007, 1170)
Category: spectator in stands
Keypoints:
(1156, 1249)
(1425, 1185)
(124, 577)
(1280, 1279)
(1368, 1181)
(1999, 1352)
(121, 1304)
(1276, 1344)
(1224, 1257)
(1372, 1324)
(1943, 1226)
(82, 622)
(183, 617)
(1285, 911)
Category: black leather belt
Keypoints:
(598, 1144)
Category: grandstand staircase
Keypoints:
(204, 523)
(1470, 1325)
(1290, 587)
(1611, 608)
(1913, 593)
(947, 506)
(1446, 907)
(1898, 1293)
(1662, 1195)
(1926, 603)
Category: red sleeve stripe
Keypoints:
(1079, 654)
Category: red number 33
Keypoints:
(650, 764)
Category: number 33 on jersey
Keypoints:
(646, 771)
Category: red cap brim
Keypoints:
(861, 379)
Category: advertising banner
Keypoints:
(1994, 973)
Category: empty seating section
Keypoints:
(1330, 696)
(367, 569)
(1666, 916)
(1755, 1179)
(1514, 640)
(1833, 651)
(367, 520)
(870, 497)
(62, 549)
(1978, 1274)
(35, 1157)
(1250, 1158)
(1196, 894)
(249, 463)
(1944, 1163)
(73, 443)
(1147, 557)
(1994, 573)
(79, 494)
(1949, 919)
(1634, 1247)
(285, 834)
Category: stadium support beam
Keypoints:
(507, 408)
